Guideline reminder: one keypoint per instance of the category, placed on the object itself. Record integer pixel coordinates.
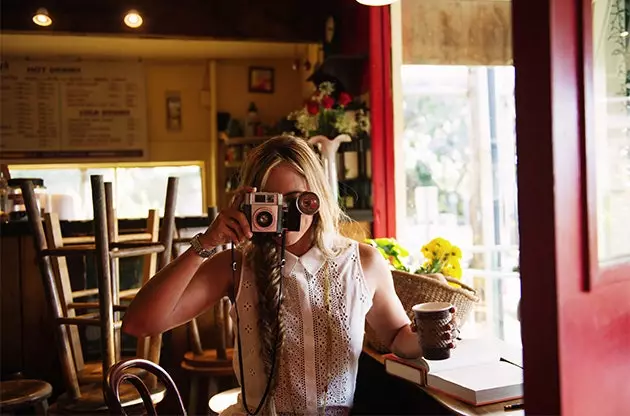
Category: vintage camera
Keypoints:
(269, 212)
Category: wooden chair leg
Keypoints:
(193, 394)
(41, 408)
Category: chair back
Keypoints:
(119, 372)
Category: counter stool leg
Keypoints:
(193, 395)
(41, 408)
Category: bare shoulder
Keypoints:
(369, 256)
(375, 268)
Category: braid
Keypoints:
(265, 261)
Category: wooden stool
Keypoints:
(24, 394)
(209, 368)
(221, 401)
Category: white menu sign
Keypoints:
(65, 110)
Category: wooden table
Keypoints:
(456, 406)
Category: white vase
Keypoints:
(328, 149)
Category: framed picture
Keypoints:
(261, 79)
(173, 111)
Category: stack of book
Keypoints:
(479, 372)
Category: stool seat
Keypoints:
(92, 400)
(221, 401)
(92, 372)
(17, 394)
(209, 358)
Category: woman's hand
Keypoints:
(230, 225)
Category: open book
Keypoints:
(479, 372)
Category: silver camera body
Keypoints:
(264, 212)
(269, 212)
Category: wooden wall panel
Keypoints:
(10, 316)
(457, 32)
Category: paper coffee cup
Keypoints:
(431, 318)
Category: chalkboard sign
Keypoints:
(70, 110)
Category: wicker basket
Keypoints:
(414, 288)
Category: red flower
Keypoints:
(344, 99)
(328, 102)
(312, 107)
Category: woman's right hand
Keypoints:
(230, 225)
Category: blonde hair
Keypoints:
(263, 252)
(302, 158)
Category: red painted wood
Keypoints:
(576, 343)
(388, 104)
(381, 107)
(379, 172)
(539, 315)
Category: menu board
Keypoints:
(61, 110)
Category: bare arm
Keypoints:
(181, 291)
(189, 285)
(387, 315)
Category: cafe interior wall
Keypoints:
(212, 77)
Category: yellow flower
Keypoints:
(452, 270)
(456, 252)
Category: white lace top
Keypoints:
(306, 369)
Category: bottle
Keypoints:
(251, 121)
(4, 197)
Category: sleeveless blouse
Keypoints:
(314, 363)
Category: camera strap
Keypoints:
(238, 331)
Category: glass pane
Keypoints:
(460, 175)
(141, 189)
(612, 127)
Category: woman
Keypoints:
(300, 357)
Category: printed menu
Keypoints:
(58, 110)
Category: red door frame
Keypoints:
(576, 342)
(382, 120)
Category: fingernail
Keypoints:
(250, 235)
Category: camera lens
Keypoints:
(308, 203)
(264, 219)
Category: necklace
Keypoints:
(328, 331)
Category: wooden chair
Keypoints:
(89, 398)
(209, 365)
(120, 372)
(20, 395)
(91, 372)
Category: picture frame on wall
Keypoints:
(261, 79)
(173, 111)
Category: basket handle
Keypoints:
(459, 282)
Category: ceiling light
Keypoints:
(41, 17)
(624, 34)
(376, 2)
(133, 19)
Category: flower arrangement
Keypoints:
(440, 256)
(325, 115)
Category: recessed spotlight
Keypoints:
(41, 17)
(133, 19)
(376, 2)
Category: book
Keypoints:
(479, 372)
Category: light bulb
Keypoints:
(376, 2)
(133, 19)
(41, 17)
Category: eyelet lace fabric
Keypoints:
(313, 370)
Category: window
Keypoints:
(460, 174)
(137, 189)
